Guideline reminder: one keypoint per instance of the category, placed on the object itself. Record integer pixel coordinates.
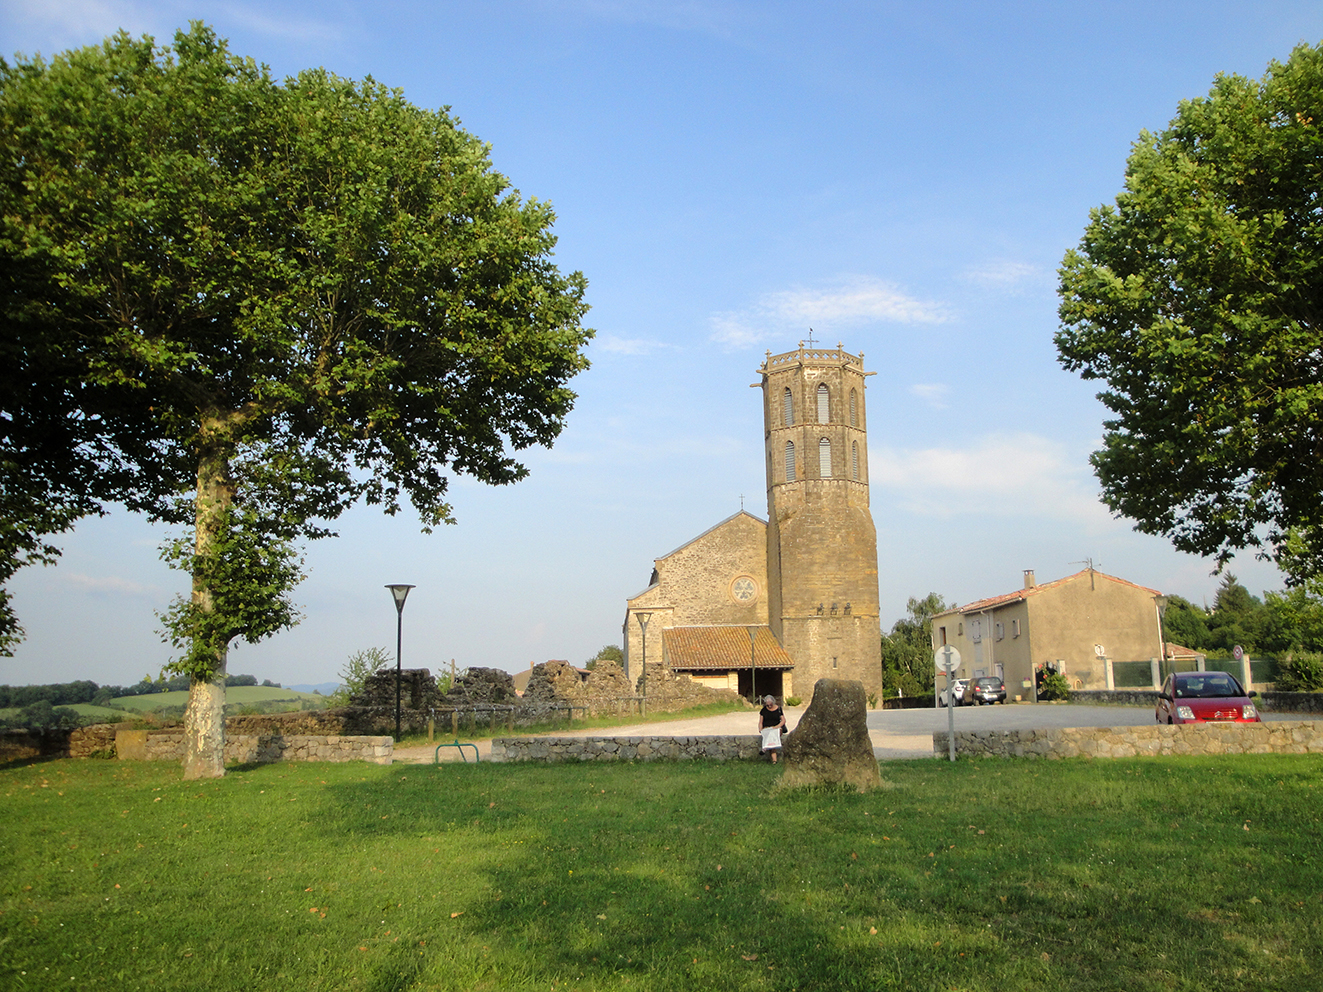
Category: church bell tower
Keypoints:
(821, 542)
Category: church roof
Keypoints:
(733, 516)
(722, 648)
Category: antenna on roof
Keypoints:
(1092, 565)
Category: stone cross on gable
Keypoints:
(811, 342)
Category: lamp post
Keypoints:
(753, 665)
(1161, 602)
(643, 619)
(401, 592)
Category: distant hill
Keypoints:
(325, 688)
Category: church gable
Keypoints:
(720, 577)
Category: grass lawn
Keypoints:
(1154, 874)
(235, 695)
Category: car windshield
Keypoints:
(1207, 687)
(990, 683)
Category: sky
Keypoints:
(901, 177)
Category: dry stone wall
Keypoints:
(558, 749)
(1286, 737)
(264, 748)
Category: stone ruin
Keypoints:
(830, 745)
(481, 686)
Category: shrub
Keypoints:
(1302, 672)
(793, 700)
(358, 667)
(1054, 686)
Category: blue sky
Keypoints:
(902, 177)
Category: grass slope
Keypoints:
(237, 695)
(1113, 875)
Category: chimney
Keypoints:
(1029, 582)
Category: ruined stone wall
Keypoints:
(1286, 737)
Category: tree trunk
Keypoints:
(204, 720)
(204, 726)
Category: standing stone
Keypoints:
(831, 746)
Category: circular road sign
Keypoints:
(944, 656)
(1238, 652)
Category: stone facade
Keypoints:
(551, 750)
(1287, 737)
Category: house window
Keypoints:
(1000, 631)
(788, 405)
(942, 633)
(790, 461)
(854, 459)
(1015, 628)
(824, 459)
(854, 408)
(824, 407)
(960, 629)
(976, 631)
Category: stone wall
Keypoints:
(168, 745)
(557, 749)
(1286, 737)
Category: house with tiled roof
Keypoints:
(1074, 625)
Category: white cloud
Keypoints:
(300, 30)
(848, 302)
(626, 346)
(1003, 275)
(110, 585)
(933, 393)
(80, 21)
(1022, 475)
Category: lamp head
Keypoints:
(401, 592)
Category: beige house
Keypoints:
(1074, 625)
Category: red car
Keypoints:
(1205, 697)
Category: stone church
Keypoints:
(771, 606)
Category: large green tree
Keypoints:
(259, 302)
(1197, 299)
(907, 651)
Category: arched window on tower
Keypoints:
(854, 459)
(824, 458)
(788, 402)
(790, 461)
(824, 408)
(854, 408)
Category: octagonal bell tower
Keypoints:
(821, 542)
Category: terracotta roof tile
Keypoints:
(724, 647)
(1021, 594)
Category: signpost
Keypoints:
(947, 659)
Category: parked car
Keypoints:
(985, 689)
(954, 695)
(1205, 697)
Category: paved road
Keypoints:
(895, 733)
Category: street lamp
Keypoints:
(401, 592)
(753, 665)
(643, 619)
(1161, 602)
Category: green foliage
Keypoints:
(1054, 686)
(608, 652)
(1302, 672)
(673, 876)
(907, 652)
(1194, 299)
(793, 700)
(270, 299)
(357, 668)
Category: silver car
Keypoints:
(954, 695)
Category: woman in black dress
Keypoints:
(771, 724)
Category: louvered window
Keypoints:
(789, 404)
(854, 408)
(790, 461)
(854, 459)
(824, 408)
(824, 458)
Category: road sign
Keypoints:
(946, 659)
(1238, 652)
